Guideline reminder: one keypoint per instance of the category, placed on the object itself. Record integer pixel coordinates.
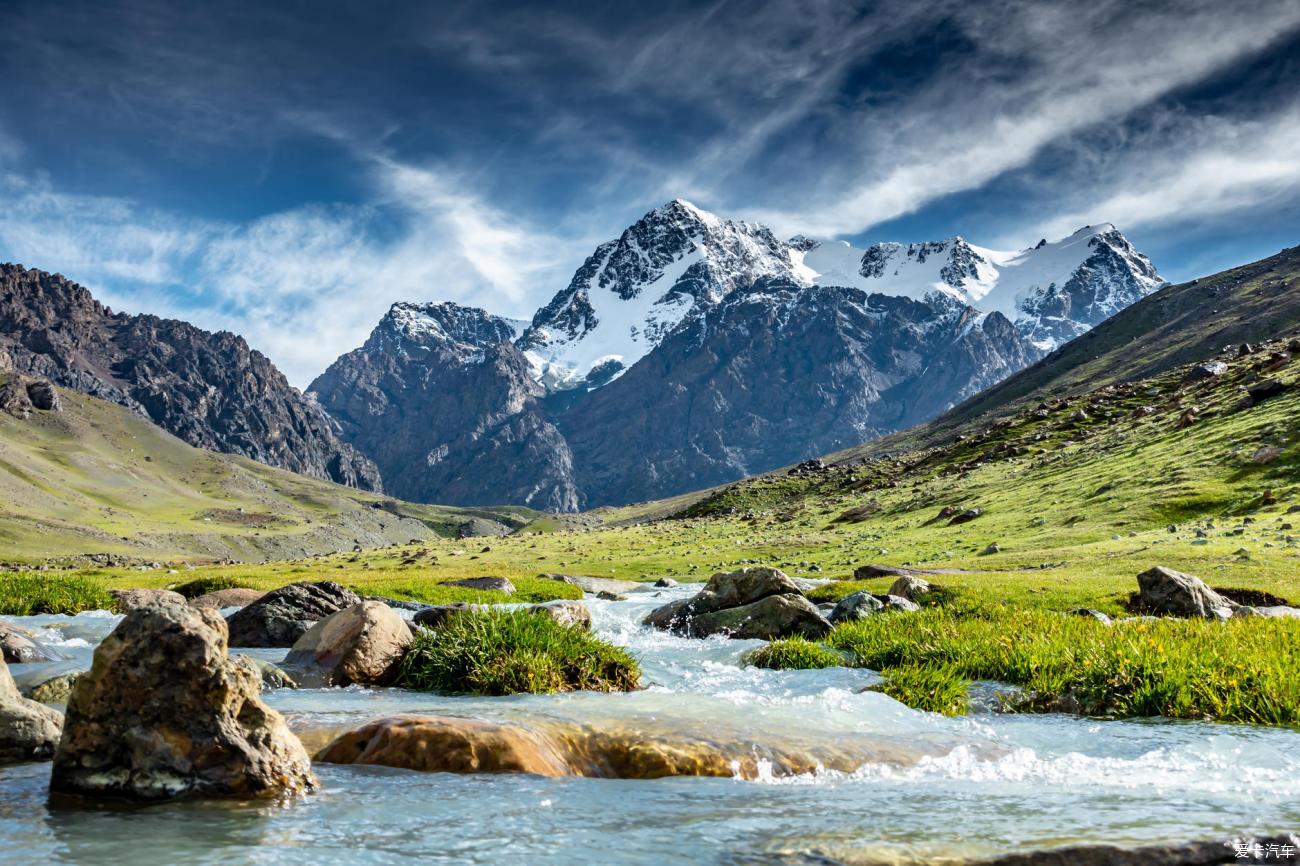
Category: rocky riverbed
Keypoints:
(819, 768)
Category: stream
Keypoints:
(932, 787)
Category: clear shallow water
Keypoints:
(935, 786)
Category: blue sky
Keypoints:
(287, 170)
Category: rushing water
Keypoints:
(938, 787)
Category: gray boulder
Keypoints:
(436, 615)
(910, 587)
(566, 612)
(29, 731)
(165, 712)
(1165, 591)
(859, 605)
(43, 396)
(279, 618)
(359, 645)
(758, 602)
(665, 583)
(897, 602)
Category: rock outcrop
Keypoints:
(281, 617)
(760, 602)
(29, 731)
(362, 645)
(1165, 591)
(165, 712)
(211, 390)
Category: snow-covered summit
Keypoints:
(1052, 291)
(671, 264)
(446, 325)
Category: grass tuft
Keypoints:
(1244, 670)
(27, 594)
(499, 652)
(937, 689)
(795, 654)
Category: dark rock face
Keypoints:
(280, 618)
(211, 390)
(773, 376)
(165, 712)
(447, 408)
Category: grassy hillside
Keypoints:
(94, 478)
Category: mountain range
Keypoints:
(689, 351)
(694, 350)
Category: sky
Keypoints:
(288, 170)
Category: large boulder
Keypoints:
(362, 644)
(43, 395)
(594, 584)
(1165, 591)
(127, 600)
(279, 618)
(29, 731)
(165, 712)
(760, 602)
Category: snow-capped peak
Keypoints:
(673, 263)
(447, 324)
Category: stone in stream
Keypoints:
(456, 745)
(29, 731)
(1165, 591)
(436, 615)
(492, 584)
(53, 690)
(859, 605)
(361, 645)
(910, 587)
(165, 712)
(594, 584)
(665, 582)
(758, 602)
(18, 646)
(236, 596)
(565, 611)
(282, 616)
(127, 600)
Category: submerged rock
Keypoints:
(29, 731)
(280, 617)
(165, 712)
(361, 644)
(1216, 853)
(455, 745)
(760, 602)
(595, 584)
(54, 690)
(1165, 591)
